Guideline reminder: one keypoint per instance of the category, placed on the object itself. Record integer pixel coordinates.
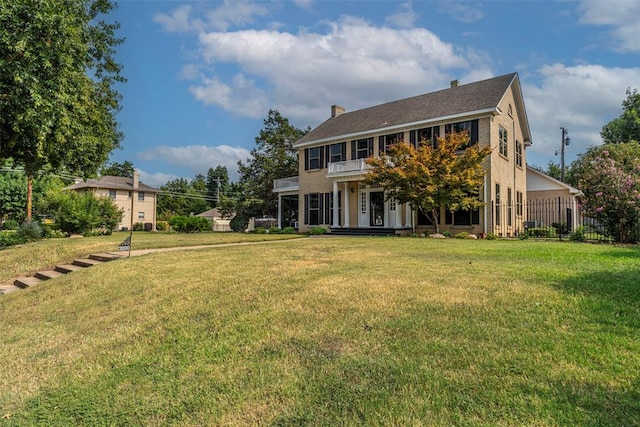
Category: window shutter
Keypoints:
(322, 157)
(320, 219)
(447, 129)
(306, 160)
(306, 209)
(380, 145)
(474, 132)
(370, 143)
(412, 137)
(343, 152)
(353, 150)
(327, 208)
(327, 155)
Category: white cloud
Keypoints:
(623, 16)
(303, 4)
(462, 12)
(355, 64)
(581, 98)
(230, 13)
(178, 21)
(198, 158)
(156, 179)
(405, 17)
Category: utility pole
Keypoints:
(565, 141)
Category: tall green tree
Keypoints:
(179, 197)
(124, 169)
(625, 128)
(57, 79)
(217, 184)
(432, 176)
(273, 157)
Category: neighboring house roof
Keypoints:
(540, 181)
(481, 97)
(112, 183)
(211, 213)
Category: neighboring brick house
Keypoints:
(129, 194)
(330, 191)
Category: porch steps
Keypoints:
(354, 231)
(59, 270)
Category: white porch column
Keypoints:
(407, 214)
(346, 204)
(398, 214)
(280, 211)
(335, 221)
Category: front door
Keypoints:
(376, 209)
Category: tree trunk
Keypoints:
(435, 219)
(29, 197)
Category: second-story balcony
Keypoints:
(285, 184)
(348, 168)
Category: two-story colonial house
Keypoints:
(135, 199)
(330, 191)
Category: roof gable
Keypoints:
(482, 96)
(540, 181)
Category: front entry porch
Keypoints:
(362, 207)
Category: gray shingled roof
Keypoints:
(452, 101)
(112, 183)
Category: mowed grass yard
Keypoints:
(332, 331)
(26, 259)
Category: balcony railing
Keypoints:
(350, 167)
(285, 184)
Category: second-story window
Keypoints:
(385, 141)
(361, 148)
(337, 152)
(313, 158)
(425, 135)
(141, 196)
(112, 194)
(504, 146)
(519, 153)
(469, 126)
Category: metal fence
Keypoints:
(549, 218)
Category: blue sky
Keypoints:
(202, 75)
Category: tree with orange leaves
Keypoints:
(448, 174)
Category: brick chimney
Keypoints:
(455, 83)
(136, 179)
(336, 110)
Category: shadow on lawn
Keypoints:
(612, 297)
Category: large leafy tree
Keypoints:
(609, 177)
(625, 128)
(58, 73)
(13, 190)
(124, 169)
(273, 157)
(432, 176)
(217, 184)
(180, 197)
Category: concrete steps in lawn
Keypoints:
(59, 270)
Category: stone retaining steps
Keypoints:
(59, 270)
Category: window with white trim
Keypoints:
(504, 146)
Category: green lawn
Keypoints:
(344, 331)
(26, 259)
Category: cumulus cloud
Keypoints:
(157, 179)
(405, 17)
(230, 13)
(199, 158)
(354, 63)
(621, 16)
(581, 98)
(463, 12)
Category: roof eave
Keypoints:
(493, 111)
